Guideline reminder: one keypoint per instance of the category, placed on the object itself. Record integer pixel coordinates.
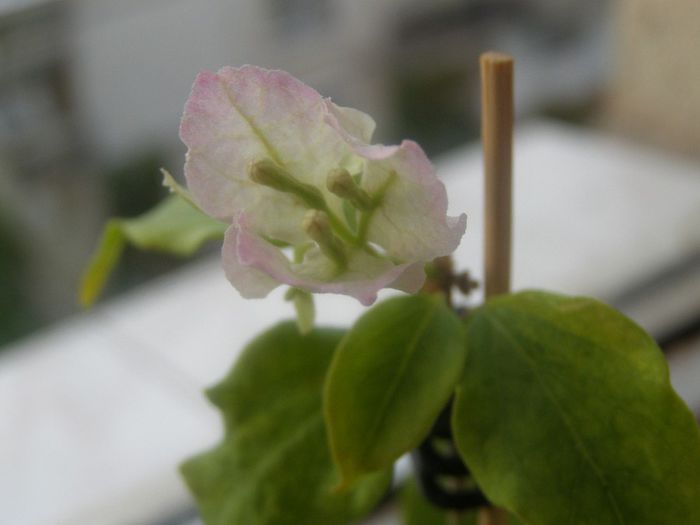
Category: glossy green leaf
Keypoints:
(566, 415)
(393, 373)
(174, 227)
(273, 466)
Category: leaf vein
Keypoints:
(578, 442)
(396, 381)
(253, 126)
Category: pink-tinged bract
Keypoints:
(240, 116)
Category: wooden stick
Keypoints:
(497, 144)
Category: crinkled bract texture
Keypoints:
(240, 118)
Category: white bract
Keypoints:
(311, 203)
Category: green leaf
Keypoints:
(416, 510)
(177, 188)
(273, 466)
(393, 373)
(566, 415)
(102, 263)
(174, 227)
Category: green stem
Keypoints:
(342, 231)
(366, 216)
(272, 175)
(339, 228)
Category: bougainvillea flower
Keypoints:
(311, 202)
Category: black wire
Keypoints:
(442, 476)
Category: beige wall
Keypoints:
(655, 94)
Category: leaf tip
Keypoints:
(177, 188)
(345, 482)
(86, 295)
(169, 181)
(103, 261)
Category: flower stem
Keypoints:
(339, 227)
(360, 240)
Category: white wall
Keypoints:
(134, 61)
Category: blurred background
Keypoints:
(91, 93)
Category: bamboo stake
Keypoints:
(497, 144)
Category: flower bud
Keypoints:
(267, 173)
(341, 183)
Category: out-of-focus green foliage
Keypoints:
(273, 466)
(174, 227)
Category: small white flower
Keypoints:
(311, 203)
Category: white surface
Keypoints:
(86, 418)
(685, 370)
(592, 214)
(97, 412)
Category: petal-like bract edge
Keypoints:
(411, 279)
(248, 256)
(250, 282)
(241, 115)
(351, 122)
(412, 222)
